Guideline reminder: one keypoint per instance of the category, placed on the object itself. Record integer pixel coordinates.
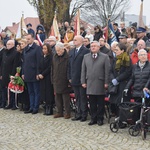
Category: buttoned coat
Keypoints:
(31, 61)
(59, 73)
(75, 64)
(10, 61)
(95, 73)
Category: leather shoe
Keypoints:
(14, 108)
(8, 107)
(92, 123)
(29, 111)
(58, 115)
(67, 116)
(2, 106)
(34, 111)
(83, 119)
(100, 123)
(76, 118)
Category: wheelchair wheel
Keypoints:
(134, 130)
(143, 133)
(114, 127)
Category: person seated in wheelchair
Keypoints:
(140, 77)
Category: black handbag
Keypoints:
(112, 89)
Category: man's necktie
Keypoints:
(94, 56)
(76, 52)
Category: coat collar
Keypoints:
(32, 47)
(80, 50)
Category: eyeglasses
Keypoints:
(142, 54)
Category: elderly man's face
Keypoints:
(77, 41)
(142, 57)
(10, 44)
(59, 51)
(94, 47)
(113, 48)
(51, 42)
(141, 45)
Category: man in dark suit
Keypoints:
(30, 71)
(76, 57)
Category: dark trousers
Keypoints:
(34, 94)
(5, 97)
(97, 107)
(81, 101)
(63, 102)
(0, 92)
(114, 109)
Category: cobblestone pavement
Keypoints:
(19, 131)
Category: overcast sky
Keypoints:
(11, 10)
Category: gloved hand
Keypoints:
(125, 92)
(146, 94)
(115, 82)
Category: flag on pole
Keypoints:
(77, 23)
(112, 36)
(105, 32)
(55, 29)
(22, 30)
(141, 22)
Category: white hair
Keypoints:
(95, 42)
(59, 44)
(114, 43)
(52, 38)
(142, 50)
(71, 43)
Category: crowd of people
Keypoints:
(85, 64)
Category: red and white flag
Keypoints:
(77, 23)
(55, 29)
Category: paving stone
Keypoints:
(21, 131)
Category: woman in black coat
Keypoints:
(23, 97)
(120, 73)
(140, 76)
(46, 87)
(98, 33)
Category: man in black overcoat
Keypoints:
(10, 61)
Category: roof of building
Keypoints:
(32, 20)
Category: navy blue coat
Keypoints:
(75, 64)
(31, 61)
